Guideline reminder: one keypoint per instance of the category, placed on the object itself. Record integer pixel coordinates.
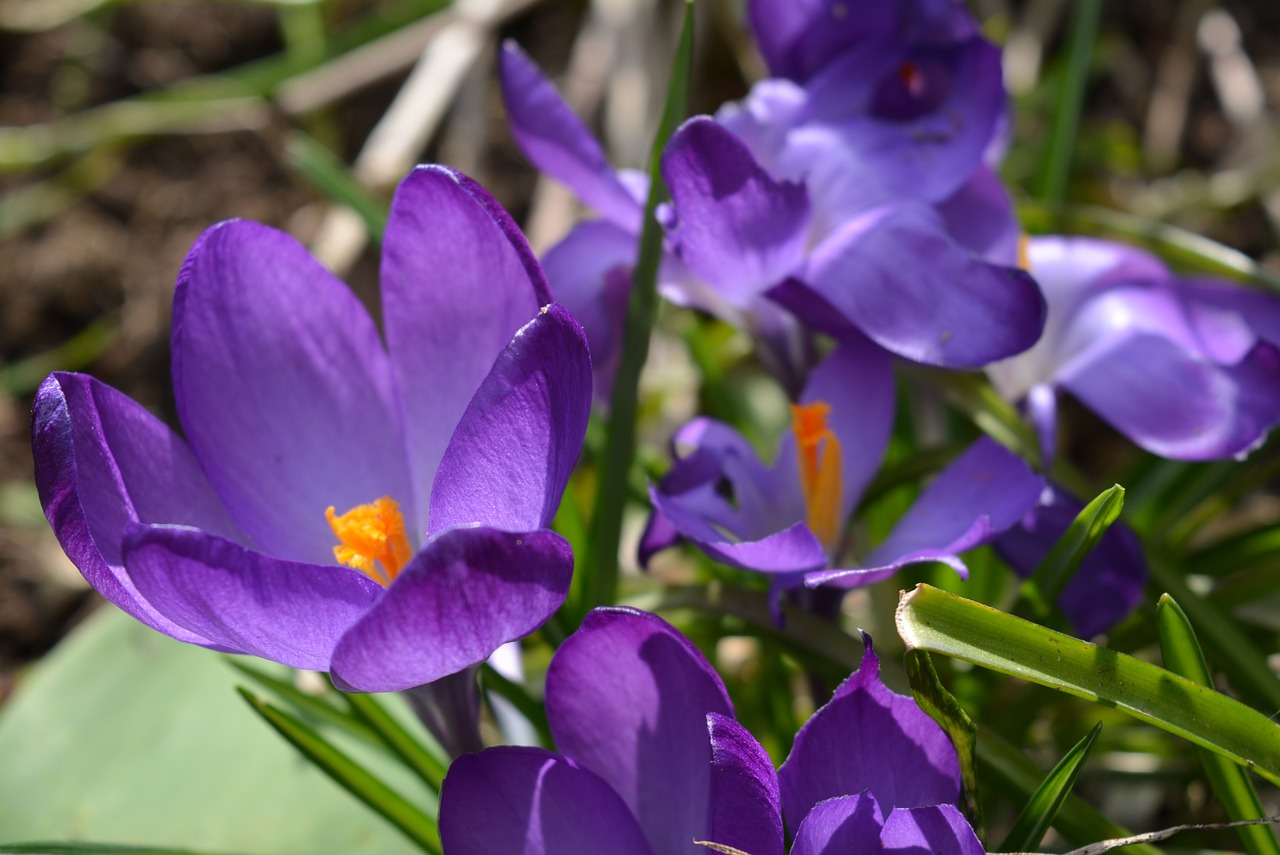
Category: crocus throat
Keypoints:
(1024, 252)
(821, 478)
(372, 539)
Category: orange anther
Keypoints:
(372, 539)
(821, 474)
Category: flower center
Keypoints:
(821, 477)
(1024, 252)
(371, 538)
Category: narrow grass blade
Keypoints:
(1230, 783)
(332, 178)
(1043, 806)
(351, 776)
(600, 586)
(428, 765)
(1056, 569)
(1077, 821)
(933, 620)
(306, 705)
(1066, 118)
(935, 700)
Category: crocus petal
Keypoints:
(465, 594)
(627, 697)
(517, 442)
(929, 830)
(797, 37)
(529, 801)
(590, 275)
(868, 738)
(244, 600)
(458, 281)
(980, 494)
(283, 389)
(980, 217)
(955, 311)
(1177, 405)
(102, 462)
(558, 143)
(1109, 581)
(840, 826)
(746, 812)
(736, 228)
(795, 549)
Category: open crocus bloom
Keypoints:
(651, 759)
(377, 512)
(788, 519)
(1186, 368)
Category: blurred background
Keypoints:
(129, 126)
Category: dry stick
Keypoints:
(403, 131)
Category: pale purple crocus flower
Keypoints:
(433, 462)
(1187, 368)
(651, 759)
(761, 251)
(789, 519)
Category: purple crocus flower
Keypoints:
(651, 760)
(759, 251)
(441, 456)
(788, 520)
(1186, 368)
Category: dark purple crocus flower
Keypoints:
(651, 759)
(440, 457)
(789, 519)
(1186, 368)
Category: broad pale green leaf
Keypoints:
(1230, 783)
(1043, 806)
(933, 620)
(124, 736)
(352, 776)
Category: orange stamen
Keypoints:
(1024, 252)
(372, 539)
(821, 479)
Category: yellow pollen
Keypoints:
(1024, 252)
(821, 479)
(371, 538)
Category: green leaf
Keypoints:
(938, 703)
(353, 777)
(1230, 783)
(1043, 806)
(600, 579)
(1056, 569)
(1077, 821)
(124, 736)
(314, 708)
(1066, 117)
(933, 620)
(429, 765)
(332, 178)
